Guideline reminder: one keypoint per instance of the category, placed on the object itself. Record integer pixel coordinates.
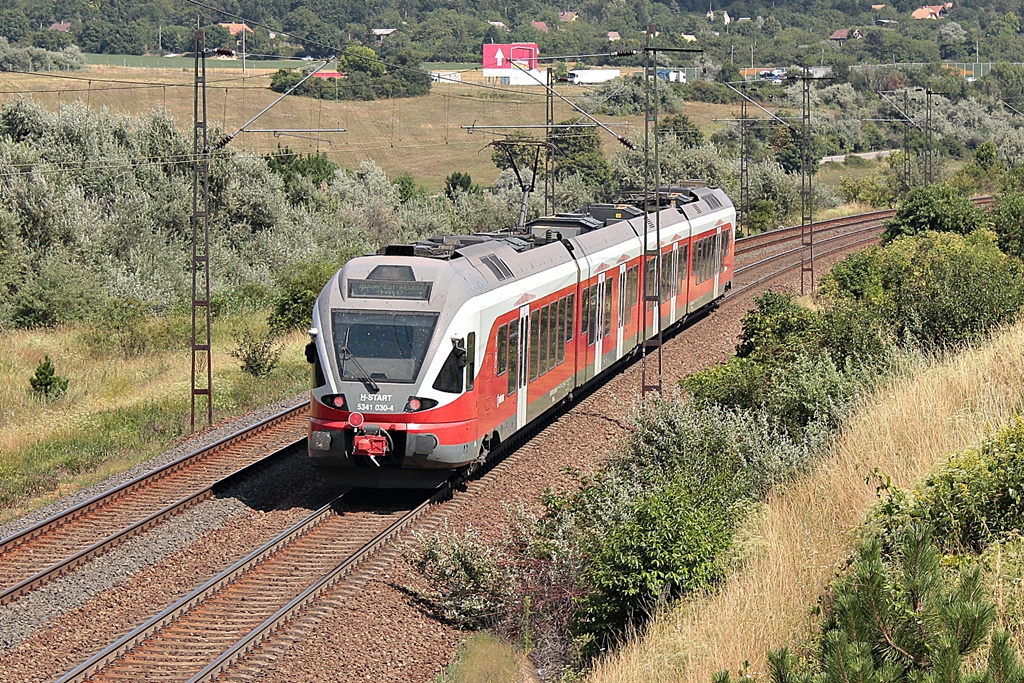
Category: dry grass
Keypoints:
(483, 658)
(806, 531)
(105, 383)
(420, 135)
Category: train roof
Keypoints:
(692, 198)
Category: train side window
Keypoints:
(470, 361)
(631, 291)
(449, 380)
(545, 329)
(594, 314)
(585, 315)
(724, 250)
(650, 280)
(556, 321)
(675, 269)
(534, 342)
(560, 344)
(665, 291)
(513, 356)
(502, 344)
(570, 311)
(684, 262)
(608, 307)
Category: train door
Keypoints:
(524, 369)
(598, 328)
(622, 311)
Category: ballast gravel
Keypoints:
(21, 618)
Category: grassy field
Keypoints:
(118, 411)
(421, 136)
(806, 531)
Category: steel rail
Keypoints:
(97, 503)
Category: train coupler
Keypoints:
(372, 443)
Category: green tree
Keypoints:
(46, 382)
(360, 58)
(1008, 221)
(457, 182)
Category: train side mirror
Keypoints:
(460, 352)
(311, 352)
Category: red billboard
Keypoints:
(501, 56)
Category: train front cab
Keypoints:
(394, 415)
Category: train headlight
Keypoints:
(416, 404)
(356, 420)
(336, 401)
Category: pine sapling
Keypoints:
(46, 382)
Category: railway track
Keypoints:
(71, 538)
(202, 635)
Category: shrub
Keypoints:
(258, 353)
(975, 497)
(673, 545)
(298, 287)
(938, 289)
(119, 325)
(1008, 223)
(935, 207)
(469, 590)
(46, 382)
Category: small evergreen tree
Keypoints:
(46, 382)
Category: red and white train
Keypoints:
(427, 356)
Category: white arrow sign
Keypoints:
(499, 57)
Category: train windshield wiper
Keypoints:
(346, 355)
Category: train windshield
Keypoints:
(381, 347)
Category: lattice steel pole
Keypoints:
(202, 372)
(806, 194)
(549, 157)
(651, 282)
(929, 169)
(906, 141)
(744, 165)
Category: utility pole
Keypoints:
(244, 31)
(744, 165)
(906, 142)
(929, 160)
(549, 157)
(202, 371)
(650, 271)
(806, 193)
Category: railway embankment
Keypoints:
(804, 534)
